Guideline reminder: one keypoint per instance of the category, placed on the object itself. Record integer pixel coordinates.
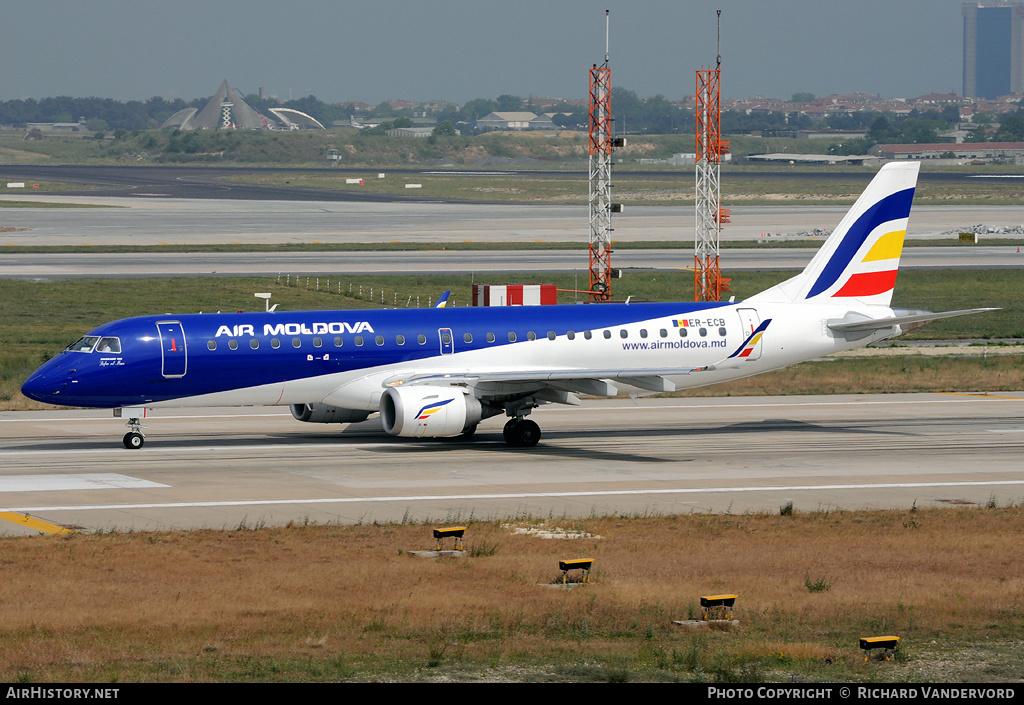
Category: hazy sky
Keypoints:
(375, 50)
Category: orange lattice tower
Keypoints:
(709, 212)
(601, 206)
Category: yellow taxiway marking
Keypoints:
(32, 523)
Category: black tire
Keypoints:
(133, 440)
(527, 434)
(509, 432)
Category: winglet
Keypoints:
(442, 299)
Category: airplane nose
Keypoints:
(39, 386)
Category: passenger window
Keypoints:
(317, 343)
(643, 332)
(338, 342)
(379, 340)
(296, 343)
(211, 344)
(400, 339)
(551, 335)
(446, 338)
(275, 343)
(421, 339)
(607, 334)
(682, 332)
(109, 345)
(233, 344)
(703, 332)
(467, 338)
(721, 331)
(664, 333)
(588, 334)
(531, 335)
(511, 337)
(254, 343)
(359, 341)
(490, 337)
(571, 335)
(623, 333)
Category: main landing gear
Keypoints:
(133, 440)
(521, 433)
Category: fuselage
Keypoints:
(345, 357)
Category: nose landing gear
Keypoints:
(133, 440)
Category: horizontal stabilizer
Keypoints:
(916, 319)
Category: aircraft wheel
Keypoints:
(509, 432)
(528, 433)
(133, 440)
(521, 433)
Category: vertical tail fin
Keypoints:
(860, 259)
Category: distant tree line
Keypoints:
(632, 114)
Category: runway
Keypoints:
(225, 468)
(144, 220)
(382, 263)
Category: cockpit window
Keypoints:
(109, 345)
(83, 344)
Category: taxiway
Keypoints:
(221, 468)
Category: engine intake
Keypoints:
(429, 412)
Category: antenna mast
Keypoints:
(708, 194)
(601, 206)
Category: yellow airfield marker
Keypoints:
(33, 523)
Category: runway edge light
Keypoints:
(455, 532)
(581, 564)
(717, 607)
(888, 645)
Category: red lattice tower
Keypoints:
(710, 215)
(600, 183)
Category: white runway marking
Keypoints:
(523, 495)
(85, 481)
(201, 449)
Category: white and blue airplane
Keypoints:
(441, 371)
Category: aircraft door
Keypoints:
(749, 321)
(173, 353)
(447, 346)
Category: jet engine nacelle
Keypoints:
(321, 413)
(428, 412)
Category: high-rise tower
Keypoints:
(993, 48)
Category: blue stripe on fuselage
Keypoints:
(224, 369)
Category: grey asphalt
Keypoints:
(225, 467)
(271, 264)
(141, 220)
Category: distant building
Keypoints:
(227, 110)
(993, 48)
(1005, 152)
(410, 131)
(505, 121)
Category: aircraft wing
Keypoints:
(916, 318)
(596, 382)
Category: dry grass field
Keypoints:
(328, 603)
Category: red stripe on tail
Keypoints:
(868, 284)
